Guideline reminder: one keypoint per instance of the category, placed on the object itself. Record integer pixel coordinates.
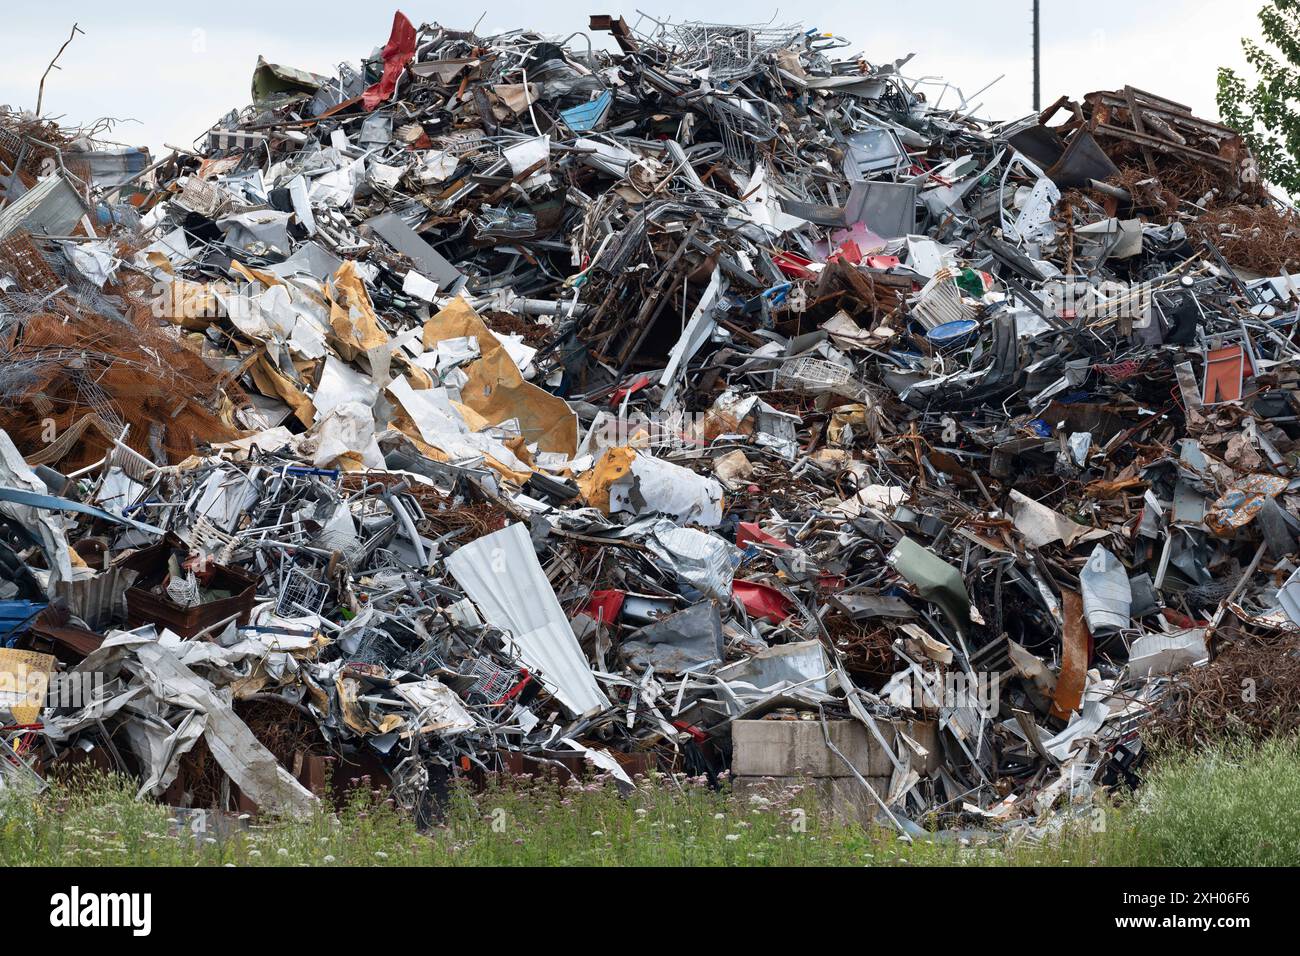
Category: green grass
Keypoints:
(1237, 806)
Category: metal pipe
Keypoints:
(1037, 97)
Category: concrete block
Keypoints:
(794, 748)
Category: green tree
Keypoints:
(1268, 113)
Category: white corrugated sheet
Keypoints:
(501, 574)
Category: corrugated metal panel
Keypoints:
(96, 600)
(51, 208)
(501, 574)
(112, 167)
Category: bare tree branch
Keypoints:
(40, 93)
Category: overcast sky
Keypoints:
(176, 68)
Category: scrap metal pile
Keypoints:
(502, 403)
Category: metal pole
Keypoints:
(1037, 98)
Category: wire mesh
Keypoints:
(376, 646)
(727, 51)
(490, 680)
(425, 658)
(808, 374)
(300, 593)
